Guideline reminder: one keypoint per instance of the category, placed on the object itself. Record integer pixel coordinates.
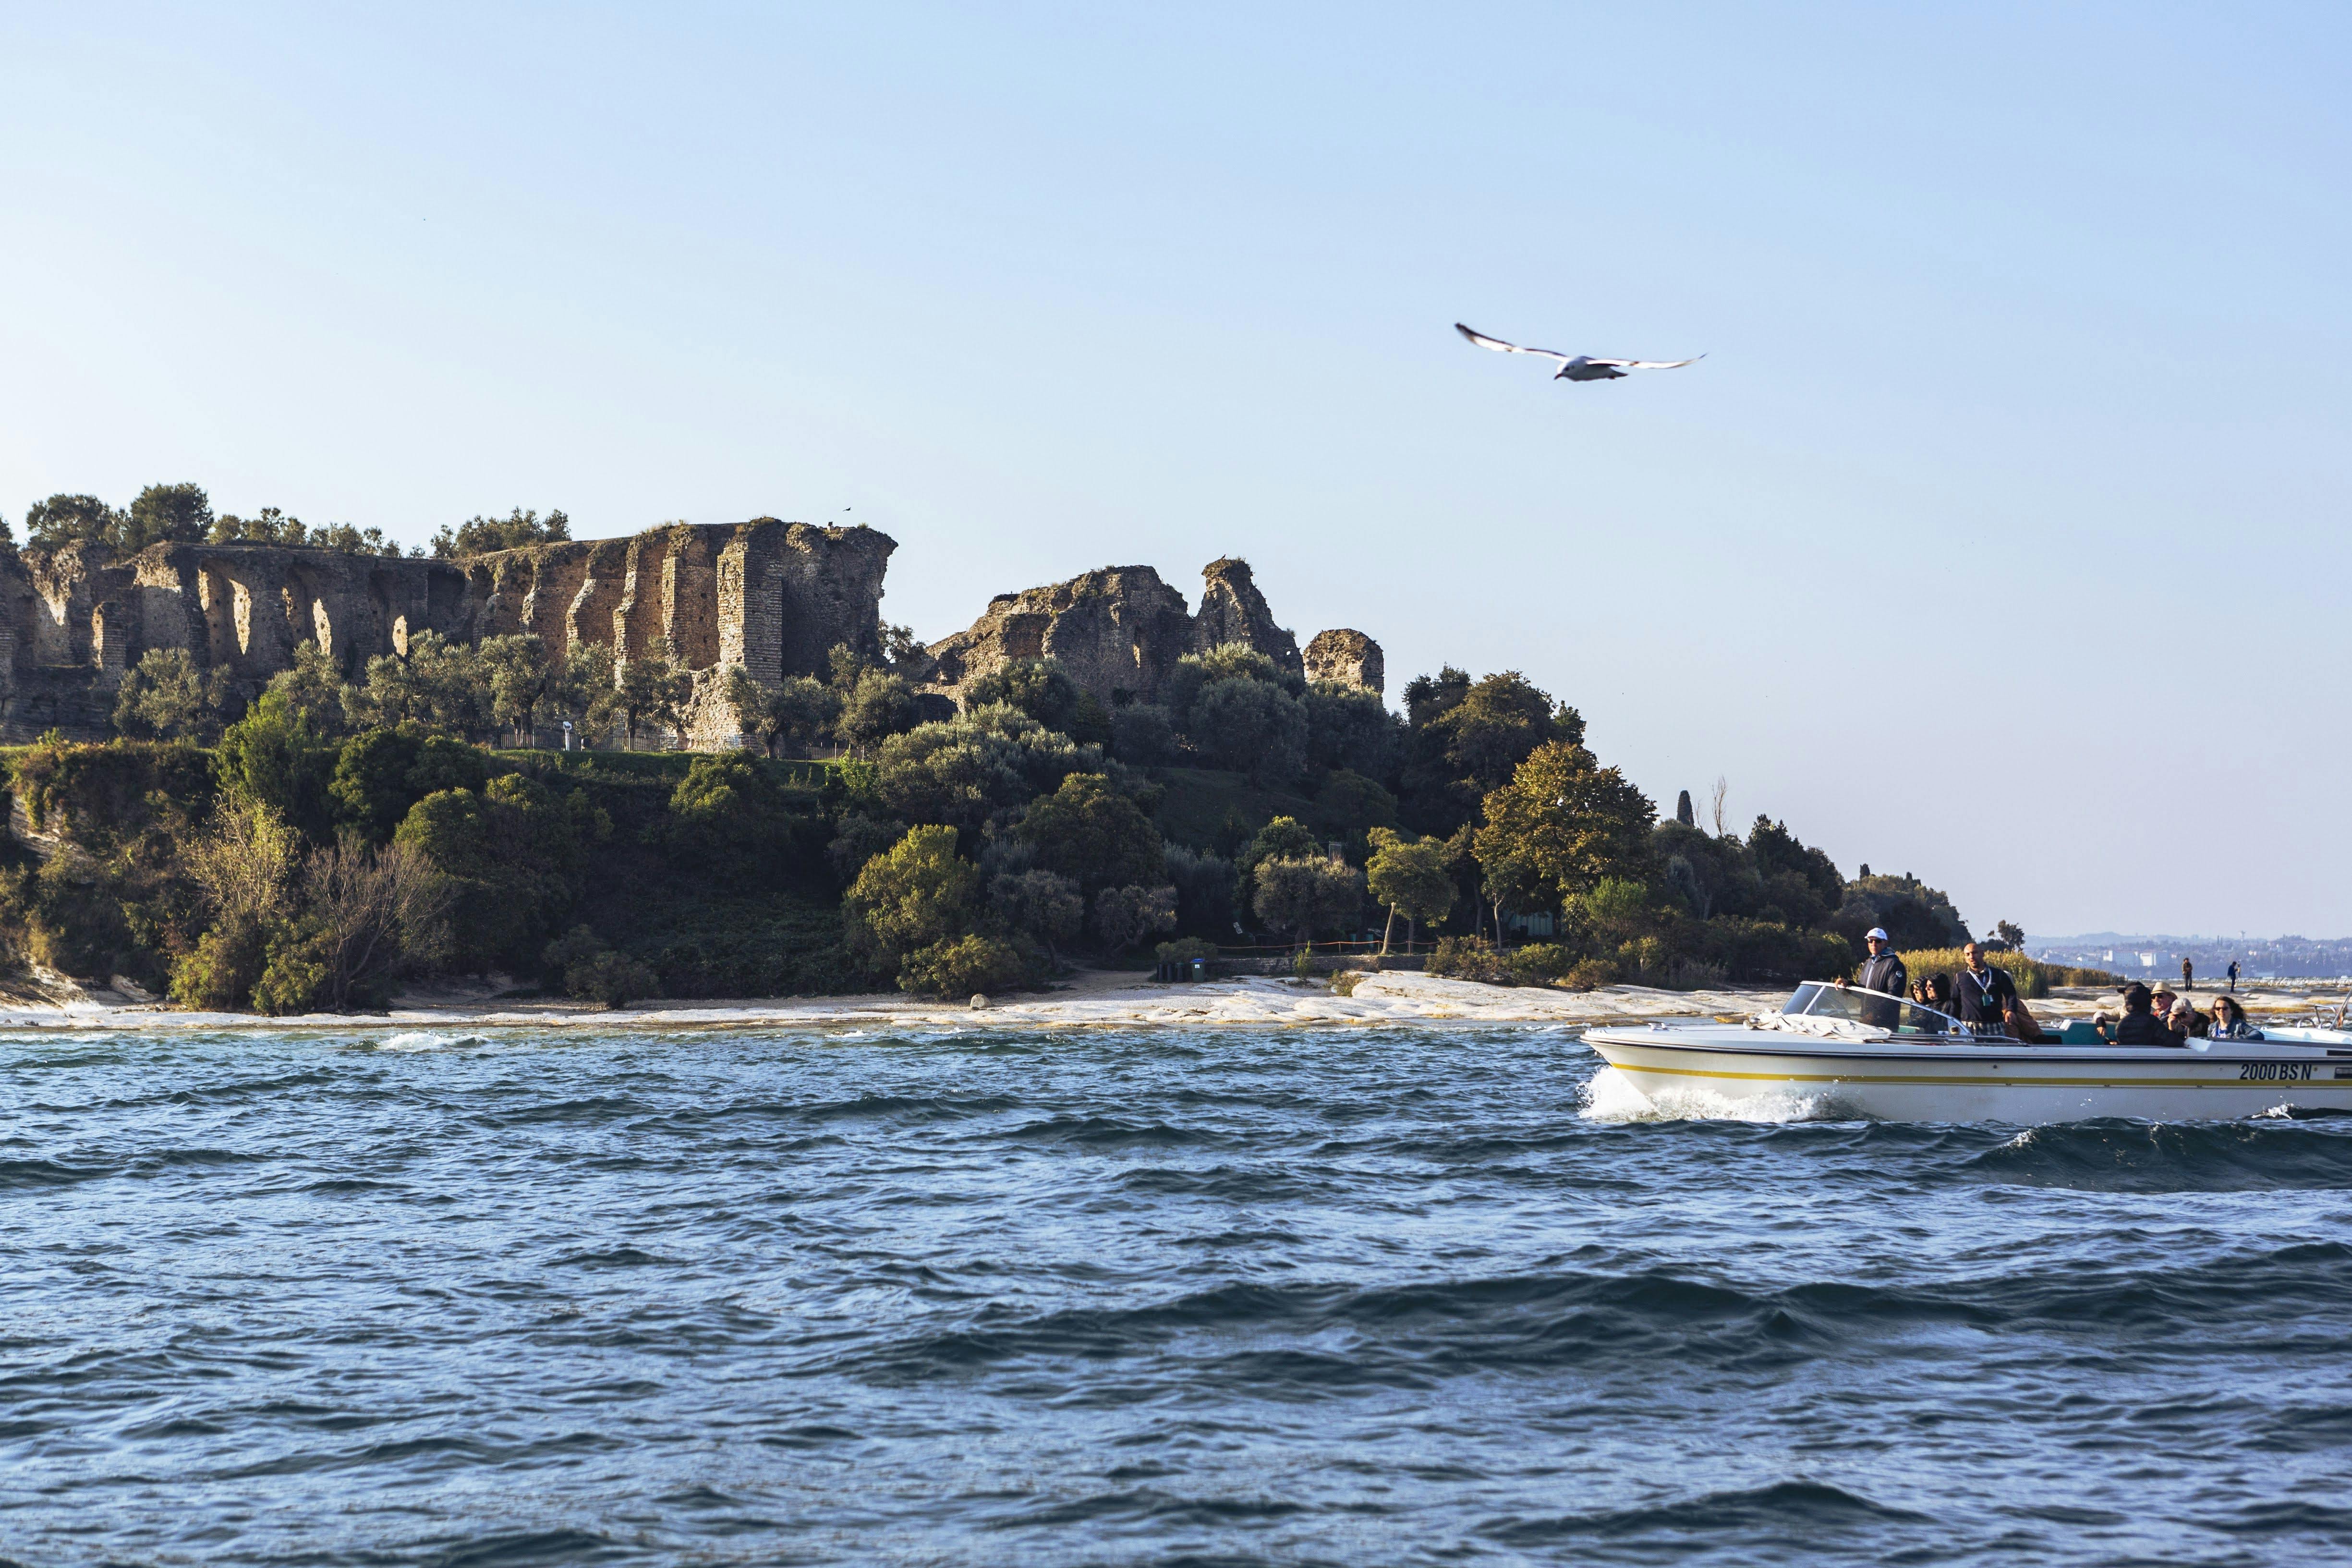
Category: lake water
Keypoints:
(1279, 1296)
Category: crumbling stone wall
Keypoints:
(773, 596)
(1347, 658)
(1119, 633)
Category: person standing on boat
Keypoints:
(1983, 997)
(1883, 970)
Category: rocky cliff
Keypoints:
(1119, 631)
(1347, 658)
(769, 596)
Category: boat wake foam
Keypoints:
(424, 1042)
(1611, 1097)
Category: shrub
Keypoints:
(1142, 734)
(1184, 950)
(1302, 964)
(1685, 973)
(961, 966)
(917, 894)
(1539, 963)
(1590, 973)
(1303, 897)
(611, 978)
(295, 974)
(1467, 958)
(217, 974)
(1125, 916)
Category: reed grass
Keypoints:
(2034, 977)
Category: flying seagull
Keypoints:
(1578, 367)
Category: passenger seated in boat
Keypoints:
(2139, 1025)
(1932, 991)
(1984, 997)
(2186, 1021)
(2230, 1021)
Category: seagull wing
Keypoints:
(1500, 347)
(1647, 363)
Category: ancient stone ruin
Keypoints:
(771, 597)
(1349, 658)
(1119, 633)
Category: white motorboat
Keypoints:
(1842, 1050)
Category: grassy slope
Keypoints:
(1198, 801)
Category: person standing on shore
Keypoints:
(2233, 977)
(1883, 970)
(2187, 975)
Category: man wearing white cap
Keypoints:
(1883, 970)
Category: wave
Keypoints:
(1784, 1506)
(2114, 1156)
(1609, 1096)
(1305, 1338)
(418, 1040)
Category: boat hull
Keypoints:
(2007, 1082)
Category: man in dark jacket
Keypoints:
(1883, 970)
(2140, 1025)
(1983, 996)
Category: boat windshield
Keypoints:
(1874, 1009)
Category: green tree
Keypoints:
(1466, 739)
(1413, 877)
(313, 688)
(64, 519)
(1252, 727)
(518, 854)
(273, 757)
(728, 818)
(1282, 838)
(268, 526)
(1037, 686)
(521, 679)
(177, 514)
(354, 541)
(965, 769)
(1047, 907)
(651, 691)
(1561, 824)
(583, 690)
(1087, 831)
(479, 535)
(797, 711)
(878, 706)
(370, 786)
(1125, 916)
(166, 695)
(972, 963)
(1350, 728)
(438, 683)
(1301, 897)
(916, 893)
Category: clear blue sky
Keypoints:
(2000, 538)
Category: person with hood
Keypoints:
(2139, 1025)
(1883, 970)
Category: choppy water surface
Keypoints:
(1273, 1296)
